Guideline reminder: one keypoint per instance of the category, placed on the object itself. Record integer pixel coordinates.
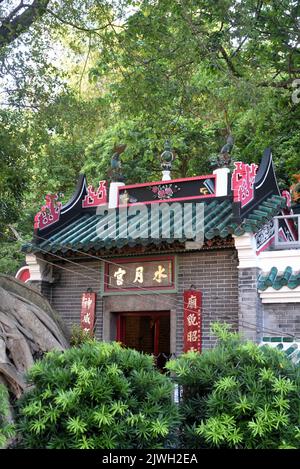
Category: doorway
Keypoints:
(147, 332)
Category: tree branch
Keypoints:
(257, 15)
(76, 26)
(14, 12)
(17, 235)
(277, 84)
(11, 29)
(229, 62)
(85, 64)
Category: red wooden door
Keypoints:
(145, 331)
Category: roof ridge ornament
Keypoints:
(242, 182)
(223, 160)
(49, 213)
(166, 160)
(94, 198)
(116, 172)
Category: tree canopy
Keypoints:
(79, 77)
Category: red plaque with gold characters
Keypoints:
(192, 320)
(87, 316)
(151, 273)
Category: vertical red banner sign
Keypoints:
(192, 320)
(87, 316)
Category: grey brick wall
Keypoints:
(42, 287)
(283, 319)
(67, 292)
(250, 306)
(215, 273)
(229, 295)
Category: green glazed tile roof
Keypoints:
(288, 345)
(278, 280)
(81, 234)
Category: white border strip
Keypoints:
(284, 295)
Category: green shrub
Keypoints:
(6, 428)
(238, 395)
(97, 396)
(78, 336)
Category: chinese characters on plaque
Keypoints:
(134, 274)
(87, 316)
(192, 320)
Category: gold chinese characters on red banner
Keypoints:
(87, 316)
(192, 320)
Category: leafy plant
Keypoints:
(6, 428)
(11, 257)
(238, 395)
(97, 396)
(78, 336)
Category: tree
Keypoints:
(19, 20)
(13, 164)
(90, 74)
(228, 65)
(31, 38)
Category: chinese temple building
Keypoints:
(154, 264)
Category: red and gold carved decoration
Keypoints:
(288, 197)
(192, 320)
(87, 316)
(49, 213)
(289, 222)
(95, 198)
(242, 182)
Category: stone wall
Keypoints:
(281, 318)
(250, 306)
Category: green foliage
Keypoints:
(238, 396)
(6, 429)
(78, 336)
(10, 257)
(235, 77)
(89, 75)
(97, 396)
(13, 165)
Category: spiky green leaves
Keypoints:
(6, 428)
(239, 395)
(97, 396)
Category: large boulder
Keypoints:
(29, 327)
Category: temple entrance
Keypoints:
(146, 332)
